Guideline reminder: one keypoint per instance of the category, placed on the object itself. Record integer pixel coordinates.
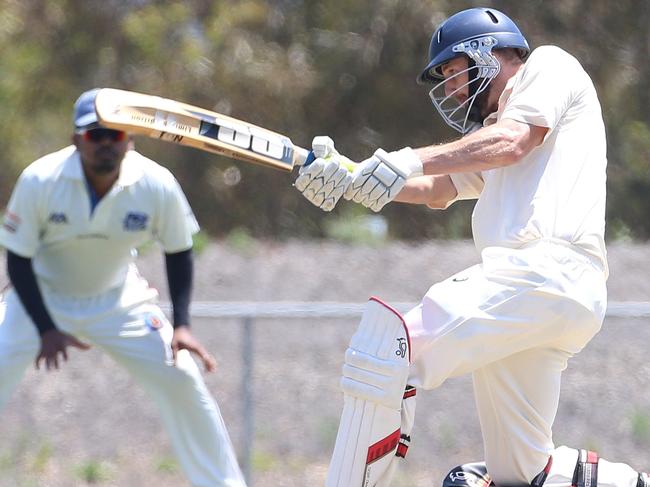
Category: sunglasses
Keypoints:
(97, 135)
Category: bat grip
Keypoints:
(310, 158)
(307, 157)
(303, 157)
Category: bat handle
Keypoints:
(303, 157)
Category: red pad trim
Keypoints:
(401, 450)
(383, 447)
(397, 313)
(592, 457)
(410, 393)
(549, 464)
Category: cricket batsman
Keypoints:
(71, 230)
(533, 153)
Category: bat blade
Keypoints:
(184, 124)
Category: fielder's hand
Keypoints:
(324, 181)
(184, 340)
(53, 343)
(376, 181)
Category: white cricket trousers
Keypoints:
(136, 334)
(513, 322)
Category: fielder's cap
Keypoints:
(84, 110)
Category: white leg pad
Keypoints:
(374, 380)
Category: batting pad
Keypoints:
(374, 380)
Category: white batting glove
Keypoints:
(377, 180)
(324, 181)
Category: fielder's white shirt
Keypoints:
(558, 190)
(81, 253)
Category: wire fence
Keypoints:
(248, 312)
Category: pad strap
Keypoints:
(586, 472)
(404, 439)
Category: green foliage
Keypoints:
(93, 472)
(241, 240)
(302, 68)
(641, 427)
(357, 229)
(327, 430)
(200, 241)
(263, 461)
(42, 457)
(167, 465)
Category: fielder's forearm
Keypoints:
(23, 279)
(498, 145)
(180, 273)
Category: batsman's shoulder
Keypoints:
(553, 57)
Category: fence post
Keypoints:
(247, 354)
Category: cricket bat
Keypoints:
(184, 124)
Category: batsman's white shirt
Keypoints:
(539, 294)
(81, 253)
(558, 190)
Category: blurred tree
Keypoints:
(301, 67)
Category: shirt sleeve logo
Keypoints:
(135, 221)
(11, 222)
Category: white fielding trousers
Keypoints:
(135, 333)
(513, 322)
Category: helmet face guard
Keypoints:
(482, 68)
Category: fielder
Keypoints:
(73, 223)
(534, 155)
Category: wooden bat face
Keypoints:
(185, 124)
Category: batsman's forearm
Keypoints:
(23, 279)
(180, 274)
(499, 145)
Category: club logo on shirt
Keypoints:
(11, 222)
(135, 221)
(58, 217)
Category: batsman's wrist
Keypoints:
(407, 158)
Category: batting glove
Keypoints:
(377, 180)
(324, 181)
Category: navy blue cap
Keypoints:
(84, 110)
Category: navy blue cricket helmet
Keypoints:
(467, 26)
(473, 33)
